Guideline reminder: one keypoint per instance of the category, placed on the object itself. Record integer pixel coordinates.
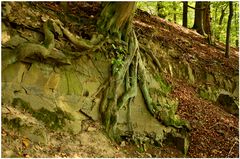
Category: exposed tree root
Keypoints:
(79, 42)
(27, 52)
(165, 115)
(155, 60)
(30, 49)
(129, 123)
(150, 53)
(131, 88)
(112, 102)
(49, 41)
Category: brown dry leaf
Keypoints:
(26, 142)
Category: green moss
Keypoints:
(22, 103)
(165, 88)
(13, 123)
(167, 115)
(53, 120)
(190, 74)
(208, 93)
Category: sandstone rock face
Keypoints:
(64, 96)
(38, 86)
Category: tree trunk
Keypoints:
(228, 29)
(236, 26)
(222, 16)
(116, 19)
(207, 21)
(216, 31)
(175, 10)
(185, 13)
(198, 20)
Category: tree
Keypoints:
(174, 12)
(185, 13)
(207, 21)
(236, 26)
(228, 29)
(222, 15)
(220, 20)
(198, 20)
(202, 21)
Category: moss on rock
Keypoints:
(208, 93)
(165, 88)
(12, 123)
(53, 120)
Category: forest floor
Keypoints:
(214, 133)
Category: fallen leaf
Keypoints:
(26, 142)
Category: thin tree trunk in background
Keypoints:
(175, 10)
(236, 24)
(228, 29)
(222, 15)
(207, 18)
(215, 32)
(185, 13)
(207, 21)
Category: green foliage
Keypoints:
(149, 7)
(117, 62)
(219, 30)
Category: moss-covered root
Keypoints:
(165, 116)
(154, 58)
(29, 49)
(49, 41)
(110, 101)
(78, 41)
(172, 120)
(43, 51)
(108, 109)
(143, 87)
(131, 89)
